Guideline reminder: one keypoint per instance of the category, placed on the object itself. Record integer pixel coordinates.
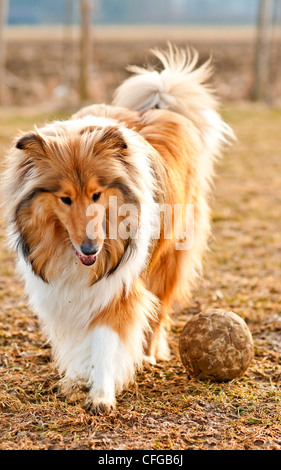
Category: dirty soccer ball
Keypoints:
(216, 345)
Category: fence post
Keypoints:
(262, 60)
(85, 48)
(4, 4)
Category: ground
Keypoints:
(165, 409)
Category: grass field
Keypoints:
(165, 409)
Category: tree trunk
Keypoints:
(85, 48)
(3, 18)
(262, 63)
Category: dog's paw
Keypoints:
(97, 406)
(71, 390)
(149, 360)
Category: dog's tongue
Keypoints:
(86, 260)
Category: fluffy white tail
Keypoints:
(179, 87)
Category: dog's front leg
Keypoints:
(117, 339)
(112, 368)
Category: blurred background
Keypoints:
(60, 53)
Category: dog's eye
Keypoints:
(66, 200)
(96, 196)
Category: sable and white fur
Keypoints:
(155, 145)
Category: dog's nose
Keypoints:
(89, 247)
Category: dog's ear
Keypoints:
(31, 142)
(114, 138)
(32, 146)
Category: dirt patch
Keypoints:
(164, 409)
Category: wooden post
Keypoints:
(68, 45)
(85, 48)
(3, 19)
(262, 62)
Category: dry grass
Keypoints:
(164, 409)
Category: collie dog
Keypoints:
(108, 215)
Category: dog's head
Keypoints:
(68, 189)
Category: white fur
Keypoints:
(113, 365)
(94, 356)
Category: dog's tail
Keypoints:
(177, 87)
(180, 87)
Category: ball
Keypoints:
(216, 345)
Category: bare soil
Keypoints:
(165, 409)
